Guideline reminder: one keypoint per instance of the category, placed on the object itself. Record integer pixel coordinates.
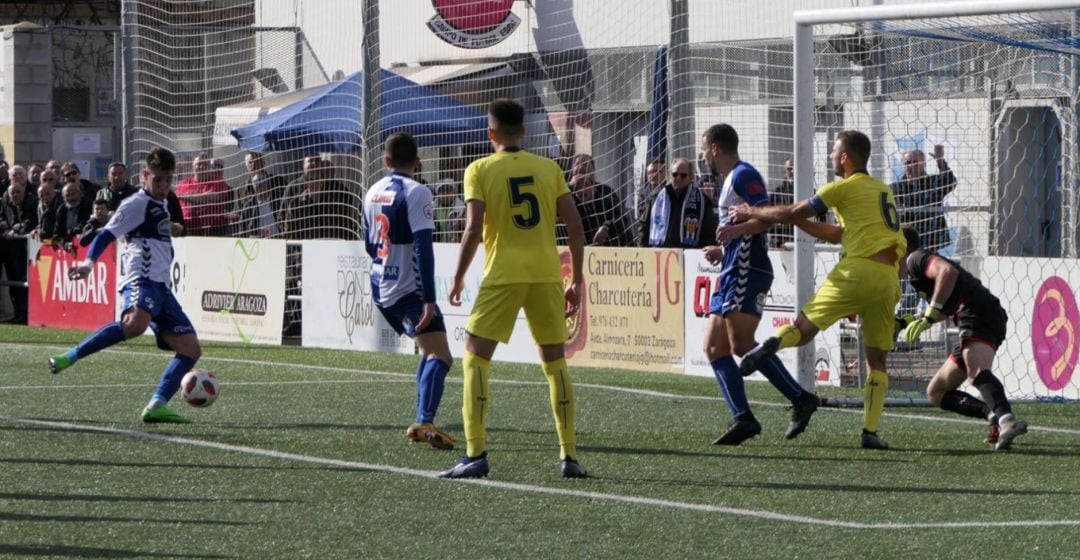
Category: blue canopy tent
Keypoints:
(328, 120)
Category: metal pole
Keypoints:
(369, 109)
(804, 178)
(128, 39)
(681, 120)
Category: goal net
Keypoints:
(971, 110)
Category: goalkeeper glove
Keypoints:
(902, 321)
(914, 330)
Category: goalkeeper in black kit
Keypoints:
(953, 292)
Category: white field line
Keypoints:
(410, 376)
(533, 489)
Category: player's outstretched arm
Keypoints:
(97, 247)
(575, 232)
(784, 214)
(829, 233)
(470, 240)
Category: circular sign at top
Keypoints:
(473, 24)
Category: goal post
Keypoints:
(971, 110)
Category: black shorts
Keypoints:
(980, 321)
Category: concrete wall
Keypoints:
(28, 83)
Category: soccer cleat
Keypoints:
(571, 469)
(1010, 430)
(162, 415)
(59, 363)
(738, 432)
(993, 434)
(801, 412)
(428, 433)
(870, 440)
(468, 467)
(759, 354)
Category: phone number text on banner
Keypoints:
(631, 313)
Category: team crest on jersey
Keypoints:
(473, 24)
(429, 212)
(692, 225)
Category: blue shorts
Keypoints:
(166, 316)
(744, 293)
(405, 313)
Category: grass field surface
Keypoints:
(304, 456)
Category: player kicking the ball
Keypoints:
(398, 228)
(143, 218)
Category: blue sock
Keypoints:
(170, 378)
(106, 336)
(431, 390)
(731, 384)
(773, 370)
(420, 386)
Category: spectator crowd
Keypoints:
(671, 208)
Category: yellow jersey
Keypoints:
(866, 209)
(519, 190)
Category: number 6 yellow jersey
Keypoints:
(866, 209)
(519, 190)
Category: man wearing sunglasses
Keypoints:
(680, 215)
(69, 173)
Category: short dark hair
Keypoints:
(507, 117)
(914, 240)
(724, 136)
(658, 161)
(401, 149)
(856, 145)
(101, 202)
(161, 160)
(117, 164)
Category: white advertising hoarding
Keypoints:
(521, 347)
(1042, 342)
(232, 289)
(337, 304)
(702, 279)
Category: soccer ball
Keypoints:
(199, 387)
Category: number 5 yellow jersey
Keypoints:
(519, 190)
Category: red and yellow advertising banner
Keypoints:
(57, 301)
(632, 312)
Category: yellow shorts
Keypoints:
(861, 286)
(496, 309)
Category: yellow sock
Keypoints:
(561, 393)
(789, 336)
(476, 403)
(877, 384)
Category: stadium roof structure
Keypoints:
(329, 120)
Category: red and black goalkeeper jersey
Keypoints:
(968, 290)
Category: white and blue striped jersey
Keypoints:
(749, 252)
(394, 209)
(147, 227)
